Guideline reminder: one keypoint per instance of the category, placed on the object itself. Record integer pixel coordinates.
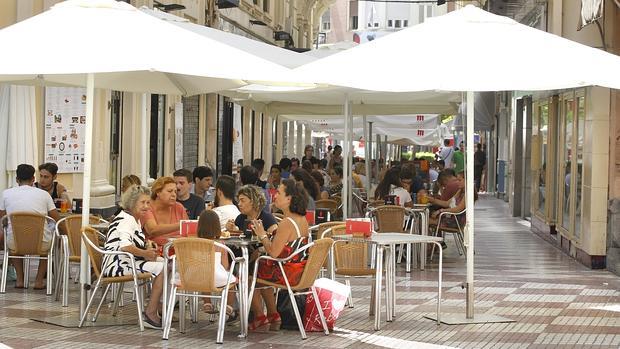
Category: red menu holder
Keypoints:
(188, 228)
(359, 226)
(310, 217)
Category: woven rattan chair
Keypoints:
(68, 237)
(351, 260)
(28, 229)
(317, 255)
(194, 260)
(319, 229)
(95, 253)
(457, 231)
(392, 219)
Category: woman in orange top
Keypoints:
(161, 221)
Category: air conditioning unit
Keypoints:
(227, 3)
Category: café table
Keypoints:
(234, 241)
(385, 244)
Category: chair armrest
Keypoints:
(284, 260)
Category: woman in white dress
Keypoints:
(125, 234)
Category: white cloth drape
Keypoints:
(22, 144)
(4, 134)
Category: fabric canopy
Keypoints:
(484, 112)
(74, 38)
(491, 44)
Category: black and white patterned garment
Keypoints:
(126, 231)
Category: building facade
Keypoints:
(182, 132)
(560, 147)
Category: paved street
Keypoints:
(556, 302)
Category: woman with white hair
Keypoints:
(126, 235)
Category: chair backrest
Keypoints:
(329, 204)
(324, 226)
(73, 228)
(390, 218)
(351, 254)
(339, 229)
(316, 258)
(95, 254)
(28, 229)
(195, 260)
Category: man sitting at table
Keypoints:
(203, 179)
(27, 198)
(47, 182)
(194, 205)
(223, 204)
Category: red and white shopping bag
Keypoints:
(332, 297)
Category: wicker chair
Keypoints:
(328, 204)
(317, 255)
(351, 260)
(194, 260)
(392, 219)
(319, 229)
(28, 229)
(457, 231)
(95, 253)
(68, 232)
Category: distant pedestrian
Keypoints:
(446, 153)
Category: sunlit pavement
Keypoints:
(556, 302)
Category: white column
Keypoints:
(290, 142)
(101, 192)
(267, 142)
(469, 227)
(212, 130)
(246, 134)
(280, 140)
(258, 131)
(299, 149)
(346, 158)
(307, 138)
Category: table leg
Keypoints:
(389, 252)
(424, 217)
(243, 285)
(378, 276)
(164, 307)
(439, 282)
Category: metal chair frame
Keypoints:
(459, 238)
(63, 262)
(289, 288)
(174, 292)
(101, 278)
(26, 258)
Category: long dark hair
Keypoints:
(209, 225)
(392, 177)
(298, 194)
(310, 184)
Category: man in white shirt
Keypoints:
(446, 153)
(27, 198)
(224, 206)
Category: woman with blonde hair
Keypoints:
(128, 181)
(161, 221)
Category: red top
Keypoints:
(177, 213)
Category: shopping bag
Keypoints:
(332, 298)
(285, 308)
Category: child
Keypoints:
(209, 228)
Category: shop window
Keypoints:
(405, 23)
(581, 118)
(326, 21)
(543, 124)
(390, 24)
(266, 6)
(397, 23)
(566, 163)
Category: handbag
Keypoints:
(285, 309)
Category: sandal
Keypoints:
(259, 322)
(148, 322)
(231, 314)
(275, 322)
(209, 309)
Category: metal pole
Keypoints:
(88, 152)
(345, 159)
(469, 228)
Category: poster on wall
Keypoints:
(65, 118)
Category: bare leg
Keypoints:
(270, 300)
(257, 304)
(156, 291)
(19, 271)
(39, 283)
